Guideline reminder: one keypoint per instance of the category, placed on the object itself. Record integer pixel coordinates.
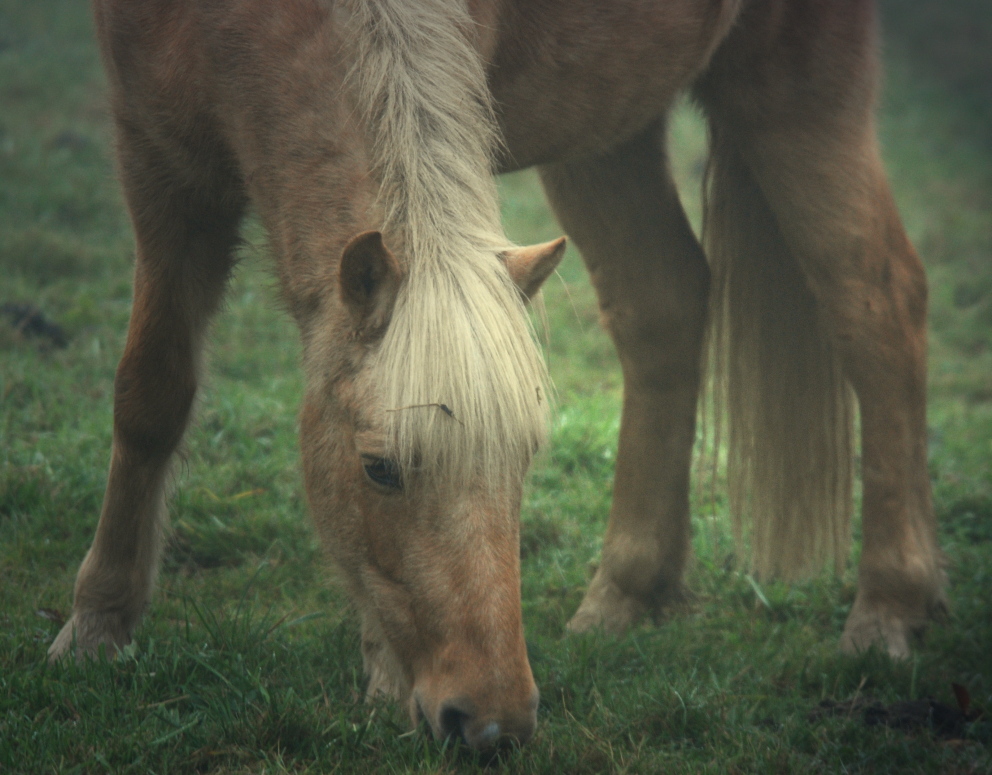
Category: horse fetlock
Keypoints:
(645, 568)
(385, 675)
(85, 632)
(384, 683)
(115, 593)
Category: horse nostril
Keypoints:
(458, 720)
(452, 720)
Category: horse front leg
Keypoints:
(184, 254)
(652, 283)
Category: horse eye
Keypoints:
(383, 472)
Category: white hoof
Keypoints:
(85, 633)
(608, 608)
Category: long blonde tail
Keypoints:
(790, 412)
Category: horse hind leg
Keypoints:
(651, 279)
(796, 148)
(185, 242)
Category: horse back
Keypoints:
(569, 77)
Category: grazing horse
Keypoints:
(365, 133)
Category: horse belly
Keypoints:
(573, 78)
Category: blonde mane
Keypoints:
(459, 335)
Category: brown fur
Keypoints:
(371, 179)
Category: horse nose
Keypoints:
(457, 718)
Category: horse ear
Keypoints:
(531, 265)
(369, 278)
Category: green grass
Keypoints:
(249, 659)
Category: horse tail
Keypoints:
(781, 397)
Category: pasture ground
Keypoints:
(249, 659)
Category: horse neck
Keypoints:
(430, 125)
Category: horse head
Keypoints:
(431, 561)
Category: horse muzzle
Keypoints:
(467, 721)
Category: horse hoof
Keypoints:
(887, 636)
(868, 628)
(84, 634)
(606, 607)
(893, 629)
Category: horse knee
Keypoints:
(659, 340)
(152, 401)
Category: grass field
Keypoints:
(249, 660)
